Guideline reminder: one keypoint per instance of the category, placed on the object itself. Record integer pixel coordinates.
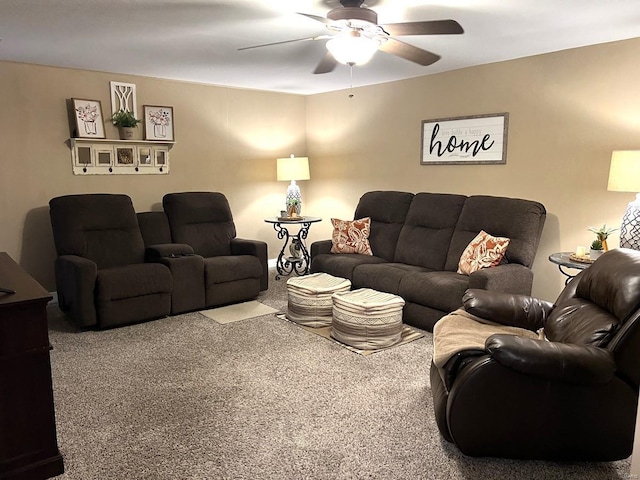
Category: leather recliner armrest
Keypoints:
(507, 308)
(167, 250)
(567, 362)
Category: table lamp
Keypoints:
(624, 176)
(293, 168)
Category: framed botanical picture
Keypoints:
(88, 116)
(158, 123)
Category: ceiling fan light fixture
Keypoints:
(353, 48)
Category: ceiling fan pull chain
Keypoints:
(350, 80)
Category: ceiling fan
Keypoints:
(355, 36)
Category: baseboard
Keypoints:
(271, 263)
(54, 300)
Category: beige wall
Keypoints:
(226, 140)
(568, 111)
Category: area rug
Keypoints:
(237, 312)
(409, 334)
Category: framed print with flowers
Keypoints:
(88, 116)
(158, 123)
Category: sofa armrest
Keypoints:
(320, 247)
(507, 308)
(167, 250)
(257, 248)
(567, 362)
(508, 277)
(75, 283)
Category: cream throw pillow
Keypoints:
(351, 236)
(483, 251)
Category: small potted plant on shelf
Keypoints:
(125, 121)
(602, 234)
(596, 249)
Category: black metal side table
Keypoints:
(563, 260)
(294, 256)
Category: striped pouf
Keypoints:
(309, 298)
(367, 319)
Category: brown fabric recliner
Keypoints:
(235, 269)
(101, 275)
(572, 396)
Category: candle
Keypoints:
(580, 251)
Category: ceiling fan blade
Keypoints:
(316, 17)
(327, 64)
(306, 39)
(408, 52)
(435, 27)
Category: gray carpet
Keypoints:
(187, 398)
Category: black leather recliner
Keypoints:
(572, 396)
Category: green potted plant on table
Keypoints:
(596, 250)
(602, 234)
(125, 121)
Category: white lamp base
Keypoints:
(630, 228)
(293, 193)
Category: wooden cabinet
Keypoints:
(28, 443)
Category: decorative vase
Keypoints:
(126, 133)
(595, 254)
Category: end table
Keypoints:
(297, 260)
(563, 259)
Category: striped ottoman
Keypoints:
(309, 298)
(367, 319)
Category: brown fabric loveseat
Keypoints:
(116, 267)
(417, 241)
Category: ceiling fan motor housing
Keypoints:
(353, 13)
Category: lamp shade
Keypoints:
(624, 173)
(353, 48)
(293, 168)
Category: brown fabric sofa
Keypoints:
(417, 241)
(570, 396)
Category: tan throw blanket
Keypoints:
(461, 331)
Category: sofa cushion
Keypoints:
(100, 227)
(519, 220)
(342, 265)
(202, 220)
(230, 268)
(428, 228)
(483, 251)
(387, 211)
(384, 277)
(440, 290)
(351, 236)
(130, 281)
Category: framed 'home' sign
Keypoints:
(477, 139)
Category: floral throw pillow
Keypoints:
(484, 251)
(351, 236)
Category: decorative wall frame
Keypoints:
(158, 123)
(471, 140)
(88, 118)
(119, 157)
(123, 97)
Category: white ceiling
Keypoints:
(198, 40)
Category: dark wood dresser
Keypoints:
(28, 443)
